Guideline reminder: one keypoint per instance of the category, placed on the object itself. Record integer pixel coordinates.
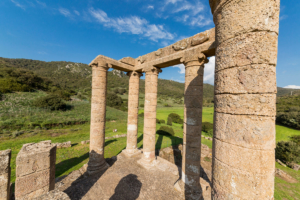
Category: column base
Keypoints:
(131, 152)
(147, 164)
(188, 192)
(92, 169)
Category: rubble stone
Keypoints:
(5, 171)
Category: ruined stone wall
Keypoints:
(245, 96)
(5, 170)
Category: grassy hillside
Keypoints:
(288, 110)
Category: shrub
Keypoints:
(210, 133)
(65, 95)
(142, 105)
(296, 139)
(1, 96)
(175, 118)
(17, 133)
(287, 151)
(113, 100)
(141, 115)
(53, 102)
(162, 121)
(157, 121)
(167, 105)
(169, 122)
(166, 130)
(207, 126)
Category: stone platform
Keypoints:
(124, 180)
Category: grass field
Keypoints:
(73, 158)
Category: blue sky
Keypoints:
(79, 30)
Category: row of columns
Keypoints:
(192, 118)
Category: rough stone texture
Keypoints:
(5, 170)
(245, 97)
(53, 195)
(281, 163)
(294, 166)
(35, 170)
(236, 17)
(285, 176)
(133, 109)
(150, 117)
(124, 180)
(98, 113)
(63, 145)
(193, 98)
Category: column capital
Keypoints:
(101, 64)
(194, 59)
(134, 73)
(152, 69)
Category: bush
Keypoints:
(207, 126)
(167, 105)
(141, 115)
(53, 102)
(210, 133)
(113, 100)
(142, 105)
(169, 122)
(287, 151)
(296, 139)
(166, 130)
(1, 96)
(65, 95)
(175, 118)
(162, 121)
(157, 121)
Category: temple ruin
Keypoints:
(244, 42)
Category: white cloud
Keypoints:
(283, 17)
(41, 3)
(181, 67)
(292, 87)
(65, 12)
(150, 7)
(133, 25)
(18, 4)
(209, 71)
(76, 12)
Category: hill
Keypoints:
(288, 111)
(77, 76)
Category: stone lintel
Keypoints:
(112, 63)
(128, 60)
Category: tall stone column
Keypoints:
(150, 117)
(133, 109)
(245, 96)
(97, 162)
(5, 170)
(193, 100)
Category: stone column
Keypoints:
(245, 96)
(133, 109)
(193, 100)
(35, 170)
(97, 162)
(5, 157)
(150, 117)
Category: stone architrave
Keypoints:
(35, 170)
(97, 162)
(193, 100)
(245, 97)
(5, 170)
(151, 80)
(133, 109)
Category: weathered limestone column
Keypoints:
(35, 170)
(5, 157)
(150, 117)
(97, 162)
(133, 109)
(245, 96)
(193, 100)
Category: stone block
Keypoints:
(248, 49)
(194, 91)
(244, 158)
(193, 81)
(5, 172)
(192, 130)
(193, 116)
(248, 131)
(35, 170)
(230, 18)
(248, 79)
(53, 195)
(248, 104)
(230, 182)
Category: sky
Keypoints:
(79, 30)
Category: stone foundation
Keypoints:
(35, 170)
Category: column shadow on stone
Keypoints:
(128, 188)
